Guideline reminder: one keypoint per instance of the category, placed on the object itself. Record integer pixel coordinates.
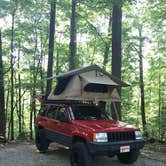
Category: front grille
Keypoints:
(121, 136)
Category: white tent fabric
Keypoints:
(76, 88)
(97, 78)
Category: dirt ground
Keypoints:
(24, 154)
(156, 151)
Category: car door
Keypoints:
(63, 126)
(41, 119)
(51, 122)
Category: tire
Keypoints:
(41, 141)
(128, 158)
(80, 155)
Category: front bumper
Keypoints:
(113, 147)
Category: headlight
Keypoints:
(138, 135)
(100, 137)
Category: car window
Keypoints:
(62, 115)
(85, 112)
(42, 110)
(51, 112)
(88, 113)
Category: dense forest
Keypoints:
(69, 34)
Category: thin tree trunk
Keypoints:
(31, 119)
(12, 78)
(162, 107)
(2, 97)
(7, 102)
(7, 96)
(57, 62)
(9, 130)
(19, 96)
(51, 46)
(142, 81)
(159, 102)
(22, 115)
(33, 91)
(41, 63)
(35, 72)
(116, 51)
(72, 49)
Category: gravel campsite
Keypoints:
(24, 154)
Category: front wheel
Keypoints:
(128, 158)
(40, 140)
(80, 155)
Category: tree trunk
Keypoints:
(41, 72)
(22, 116)
(12, 77)
(2, 97)
(19, 96)
(142, 81)
(159, 102)
(116, 52)
(31, 118)
(7, 96)
(51, 46)
(72, 51)
(36, 66)
(57, 62)
(33, 88)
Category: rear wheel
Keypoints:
(80, 155)
(128, 158)
(41, 141)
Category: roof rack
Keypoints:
(67, 102)
(43, 99)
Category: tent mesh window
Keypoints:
(61, 85)
(98, 88)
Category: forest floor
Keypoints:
(155, 151)
(24, 154)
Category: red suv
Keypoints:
(87, 130)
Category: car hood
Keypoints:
(104, 125)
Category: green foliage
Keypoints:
(31, 44)
(5, 7)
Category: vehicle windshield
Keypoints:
(88, 113)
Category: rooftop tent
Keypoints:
(88, 83)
